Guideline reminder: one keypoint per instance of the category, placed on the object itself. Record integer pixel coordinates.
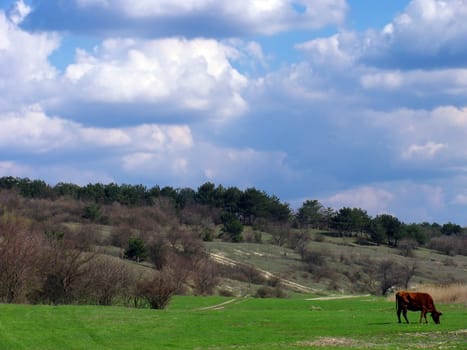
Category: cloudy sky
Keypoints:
(355, 103)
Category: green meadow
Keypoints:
(298, 322)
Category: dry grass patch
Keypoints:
(330, 341)
(450, 293)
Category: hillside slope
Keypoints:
(340, 266)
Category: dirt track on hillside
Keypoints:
(266, 274)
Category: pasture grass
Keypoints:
(230, 323)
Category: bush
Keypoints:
(407, 246)
(136, 249)
(158, 252)
(270, 292)
(158, 290)
(107, 279)
(233, 228)
(449, 245)
(316, 264)
(205, 277)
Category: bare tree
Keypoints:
(158, 289)
(299, 241)
(280, 233)
(392, 274)
(20, 251)
(158, 251)
(205, 276)
(107, 278)
(64, 272)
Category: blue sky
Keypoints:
(354, 103)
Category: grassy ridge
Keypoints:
(195, 323)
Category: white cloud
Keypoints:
(18, 12)
(406, 200)
(443, 19)
(461, 199)
(24, 54)
(11, 168)
(428, 33)
(32, 131)
(435, 136)
(239, 167)
(25, 73)
(251, 16)
(169, 151)
(339, 51)
(418, 83)
(428, 150)
(191, 75)
(373, 199)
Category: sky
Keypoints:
(355, 103)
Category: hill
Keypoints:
(127, 245)
(341, 265)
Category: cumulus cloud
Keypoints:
(188, 18)
(427, 150)
(239, 167)
(435, 136)
(339, 51)
(373, 199)
(170, 151)
(191, 75)
(429, 33)
(11, 168)
(403, 199)
(24, 62)
(31, 130)
(420, 53)
(19, 12)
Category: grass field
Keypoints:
(226, 323)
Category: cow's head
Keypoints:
(435, 316)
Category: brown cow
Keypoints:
(414, 301)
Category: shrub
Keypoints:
(316, 264)
(92, 212)
(21, 251)
(107, 279)
(407, 246)
(158, 252)
(205, 277)
(450, 245)
(270, 292)
(136, 249)
(233, 228)
(158, 290)
(226, 293)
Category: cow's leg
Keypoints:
(399, 310)
(423, 315)
(404, 312)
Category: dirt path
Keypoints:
(339, 297)
(266, 274)
(221, 305)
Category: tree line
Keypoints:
(381, 229)
(248, 205)
(241, 207)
